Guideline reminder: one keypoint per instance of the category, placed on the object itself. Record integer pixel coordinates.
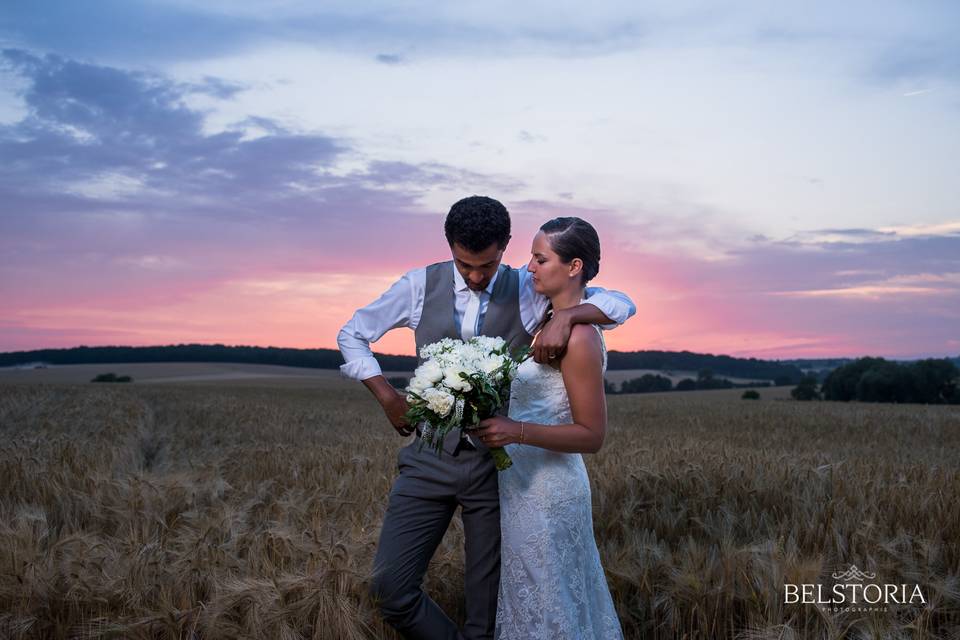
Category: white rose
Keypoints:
(491, 364)
(429, 371)
(452, 379)
(438, 401)
(418, 384)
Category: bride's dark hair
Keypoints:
(573, 237)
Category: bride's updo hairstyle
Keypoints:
(574, 237)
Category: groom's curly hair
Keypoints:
(477, 222)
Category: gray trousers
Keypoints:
(423, 499)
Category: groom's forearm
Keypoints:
(583, 313)
(553, 338)
(380, 388)
(616, 306)
(393, 402)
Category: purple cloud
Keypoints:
(114, 191)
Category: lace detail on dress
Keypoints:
(551, 582)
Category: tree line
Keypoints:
(929, 381)
(331, 359)
(780, 373)
(310, 358)
(654, 383)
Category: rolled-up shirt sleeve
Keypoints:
(397, 307)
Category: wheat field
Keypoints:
(252, 510)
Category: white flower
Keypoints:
(438, 401)
(418, 384)
(491, 364)
(491, 367)
(488, 343)
(453, 381)
(429, 371)
(444, 345)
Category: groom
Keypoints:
(472, 294)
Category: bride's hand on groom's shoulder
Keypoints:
(498, 431)
(552, 340)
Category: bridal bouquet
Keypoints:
(458, 385)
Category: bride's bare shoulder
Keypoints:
(584, 344)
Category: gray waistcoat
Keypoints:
(502, 318)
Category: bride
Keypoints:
(551, 582)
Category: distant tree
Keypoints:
(717, 383)
(111, 377)
(687, 384)
(931, 381)
(886, 382)
(707, 380)
(661, 383)
(842, 382)
(608, 387)
(935, 381)
(806, 389)
(782, 381)
(751, 394)
(647, 383)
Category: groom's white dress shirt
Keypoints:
(402, 304)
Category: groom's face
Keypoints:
(477, 268)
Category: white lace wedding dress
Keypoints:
(551, 582)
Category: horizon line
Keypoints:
(409, 355)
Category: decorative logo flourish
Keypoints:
(853, 573)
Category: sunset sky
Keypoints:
(766, 182)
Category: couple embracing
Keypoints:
(532, 565)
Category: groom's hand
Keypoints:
(552, 340)
(395, 407)
(393, 402)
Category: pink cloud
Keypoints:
(683, 303)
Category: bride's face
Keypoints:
(550, 274)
